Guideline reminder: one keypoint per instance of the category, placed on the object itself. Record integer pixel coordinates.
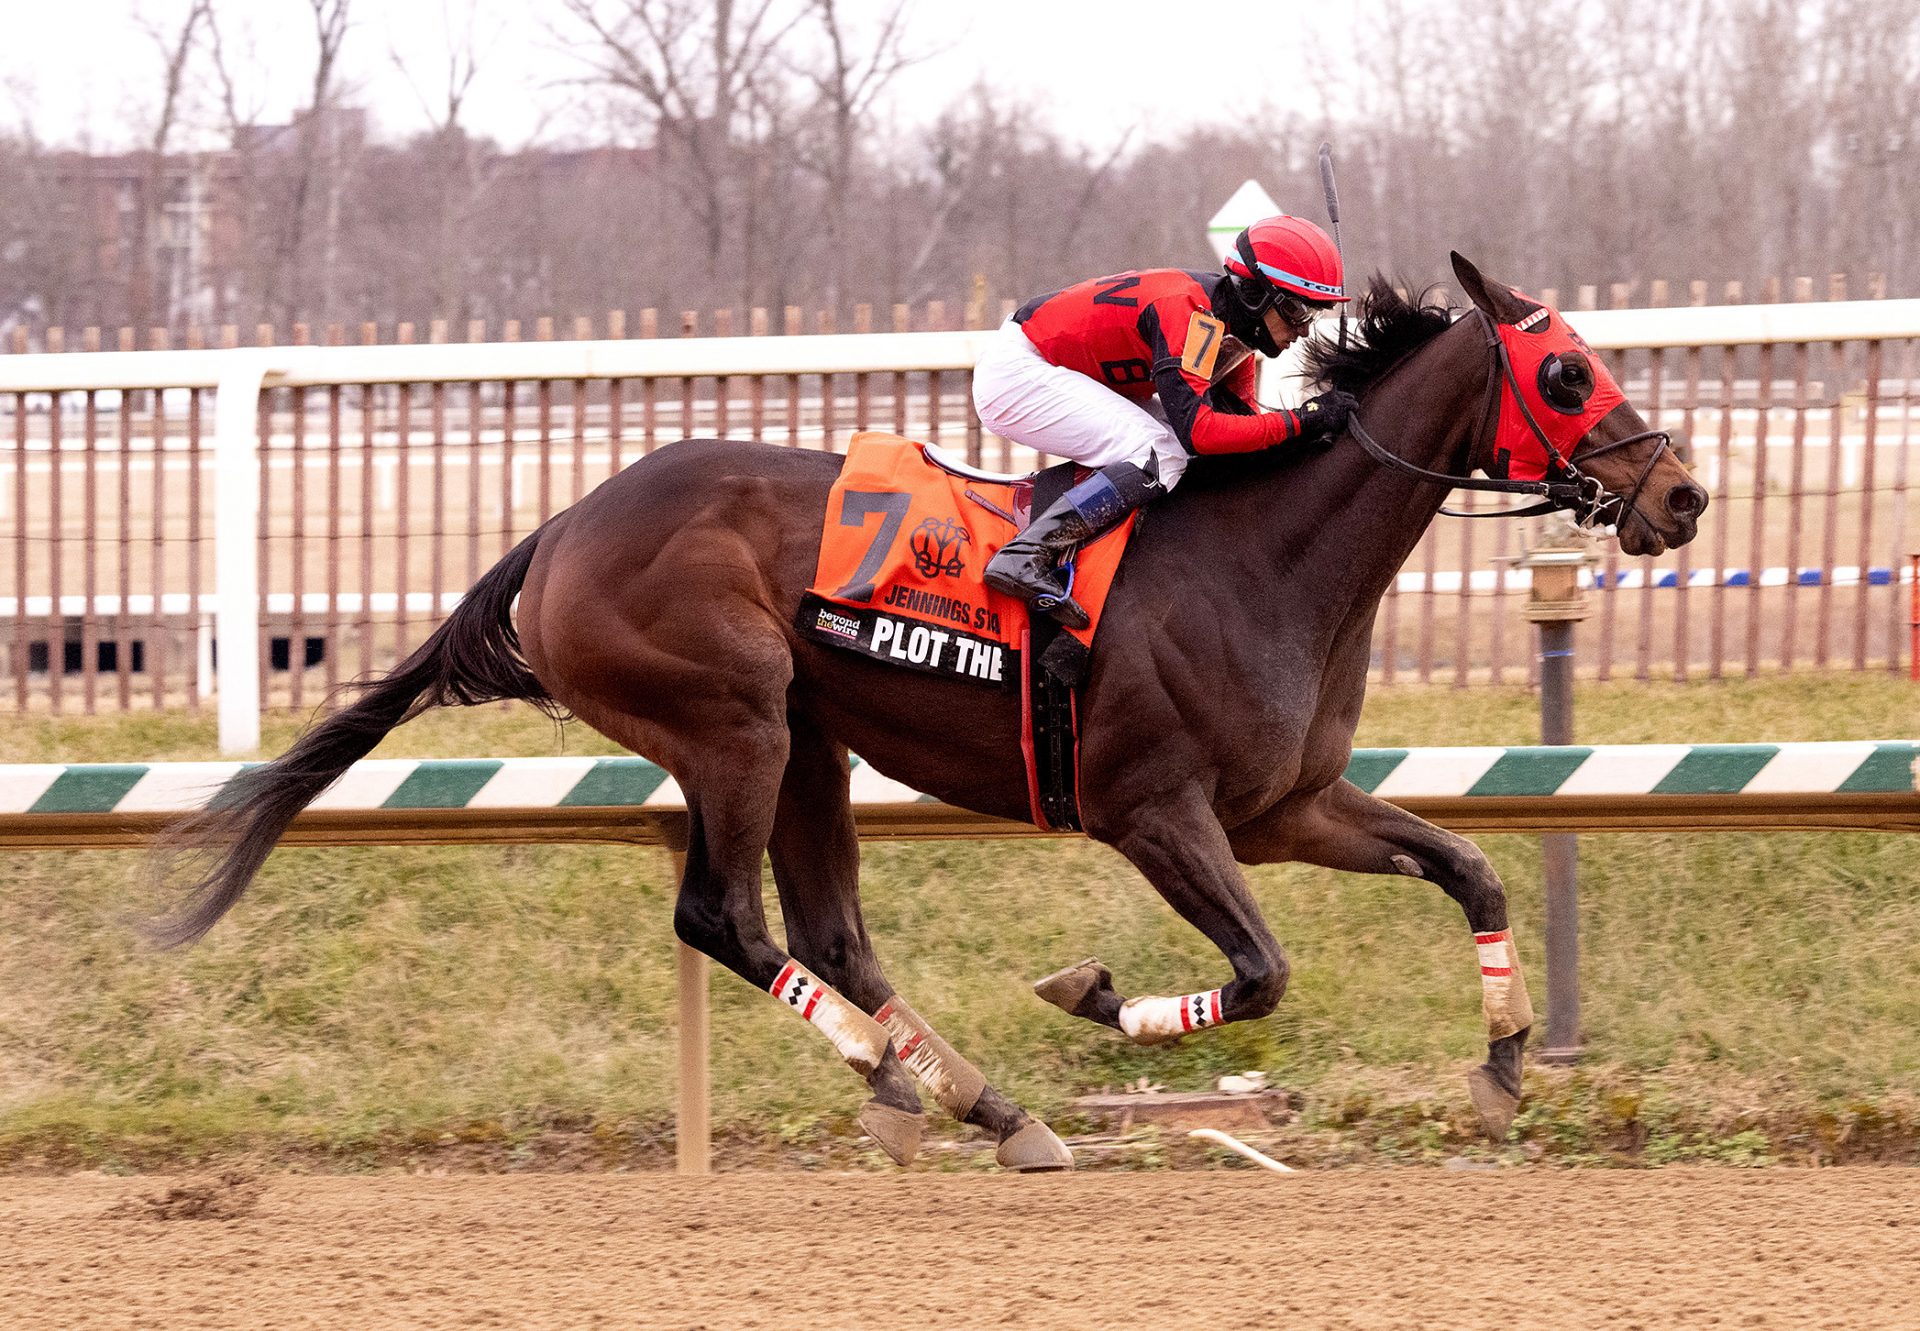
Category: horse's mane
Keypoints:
(1389, 327)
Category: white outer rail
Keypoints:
(239, 374)
(836, 353)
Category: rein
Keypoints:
(1568, 488)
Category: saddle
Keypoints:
(908, 532)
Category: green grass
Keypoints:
(1747, 997)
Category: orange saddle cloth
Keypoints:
(907, 537)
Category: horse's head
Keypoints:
(1560, 406)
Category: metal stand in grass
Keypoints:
(1556, 603)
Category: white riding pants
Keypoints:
(1023, 396)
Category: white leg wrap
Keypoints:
(1503, 990)
(1156, 1020)
(858, 1037)
(955, 1083)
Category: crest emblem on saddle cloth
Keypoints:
(938, 545)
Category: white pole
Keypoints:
(236, 557)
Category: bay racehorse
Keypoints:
(1217, 717)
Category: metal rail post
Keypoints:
(1556, 603)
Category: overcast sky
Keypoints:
(87, 72)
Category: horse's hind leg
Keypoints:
(1343, 827)
(1178, 844)
(731, 799)
(816, 866)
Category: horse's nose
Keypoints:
(1687, 502)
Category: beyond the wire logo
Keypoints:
(844, 626)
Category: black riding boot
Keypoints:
(1027, 566)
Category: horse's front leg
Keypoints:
(1343, 827)
(1180, 846)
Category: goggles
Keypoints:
(1298, 313)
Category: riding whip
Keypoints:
(1333, 216)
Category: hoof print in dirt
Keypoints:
(228, 1197)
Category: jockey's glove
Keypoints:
(1323, 418)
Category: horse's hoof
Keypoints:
(1033, 1150)
(897, 1130)
(1066, 989)
(1495, 1104)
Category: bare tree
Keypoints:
(244, 272)
(316, 166)
(175, 46)
(689, 65)
(457, 182)
(1870, 103)
(745, 156)
(270, 189)
(969, 151)
(847, 81)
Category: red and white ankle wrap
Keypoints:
(955, 1083)
(1503, 990)
(860, 1039)
(1493, 953)
(1155, 1020)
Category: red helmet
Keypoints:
(1289, 254)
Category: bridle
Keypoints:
(1566, 488)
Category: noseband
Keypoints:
(1566, 487)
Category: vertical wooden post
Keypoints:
(616, 398)
(792, 323)
(829, 426)
(692, 1130)
(369, 419)
(689, 327)
(90, 476)
(1717, 634)
(1913, 618)
(649, 409)
(56, 631)
(722, 327)
(403, 503)
(902, 323)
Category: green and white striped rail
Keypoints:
(1866, 785)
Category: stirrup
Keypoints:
(1048, 600)
(1051, 604)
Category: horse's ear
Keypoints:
(1505, 305)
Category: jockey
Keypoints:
(1135, 374)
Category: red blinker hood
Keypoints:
(1532, 344)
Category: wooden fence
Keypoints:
(381, 502)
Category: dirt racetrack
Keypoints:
(1412, 1248)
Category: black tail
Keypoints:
(473, 657)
